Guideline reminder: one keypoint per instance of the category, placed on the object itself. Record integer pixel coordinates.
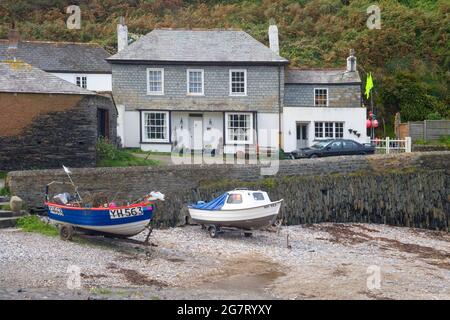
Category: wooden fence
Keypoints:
(426, 130)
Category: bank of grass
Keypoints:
(109, 155)
(3, 191)
(140, 151)
(36, 225)
(442, 141)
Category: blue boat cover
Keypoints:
(215, 204)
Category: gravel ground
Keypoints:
(322, 261)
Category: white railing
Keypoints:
(392, 146)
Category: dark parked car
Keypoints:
(333, 147)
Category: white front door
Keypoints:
(196, 131)
(302, 135)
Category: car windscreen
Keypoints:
(320, 145)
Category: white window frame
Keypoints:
(155, 93)
(323, 128)
(203, 82)
(328, 96)
(167, 127)
(333, 130)
(227, 140)
(239, 94)
(81, 80)
(334, 126)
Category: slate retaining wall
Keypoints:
(399, 189)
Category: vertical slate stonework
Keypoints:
(59, 137)
(399, 189)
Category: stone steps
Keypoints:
(8, 222)
(6, 214)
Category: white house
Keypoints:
(82, 64)
(322, 104)
(198, 90)
(223, 91)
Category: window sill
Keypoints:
(238, 95)
(239, 143)
(155, 93)
(195, 94)
(155, 142)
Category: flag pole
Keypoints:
(371, 105)
(67, 171)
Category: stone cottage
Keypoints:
(46, 122)
(224, 90)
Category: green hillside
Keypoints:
(409, 56)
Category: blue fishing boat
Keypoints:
(71, 214)
(124, 221)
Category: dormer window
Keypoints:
(155, 81)
(81, 81)
(321, 97)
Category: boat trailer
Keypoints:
(215, 230)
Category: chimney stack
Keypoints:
(273, 37)
(122, 35)
(351, 62)
(13, 39)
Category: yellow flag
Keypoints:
(369, 85)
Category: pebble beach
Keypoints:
(320, 261)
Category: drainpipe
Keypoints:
(279, 108)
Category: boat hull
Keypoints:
(121, 221)
(247, 218)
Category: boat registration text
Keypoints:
(56, 211)
(126, 213)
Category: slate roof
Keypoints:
(20, 77)
(175, 45)
(321, 76)
(59, 56)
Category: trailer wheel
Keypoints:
(213, 231)
(247, 234)
(66, 232)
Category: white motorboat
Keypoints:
(240, 208)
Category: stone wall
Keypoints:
(130, 88)
(401, 189)
(63, 130)
(429, 147)
(302, 95)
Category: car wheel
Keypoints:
(313, 156)
(363, 153)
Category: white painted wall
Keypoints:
(131, 128)
(353, 118)
(95, 82)
(268, 124)
(121, 123)
(212, 129)
(156, 147)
